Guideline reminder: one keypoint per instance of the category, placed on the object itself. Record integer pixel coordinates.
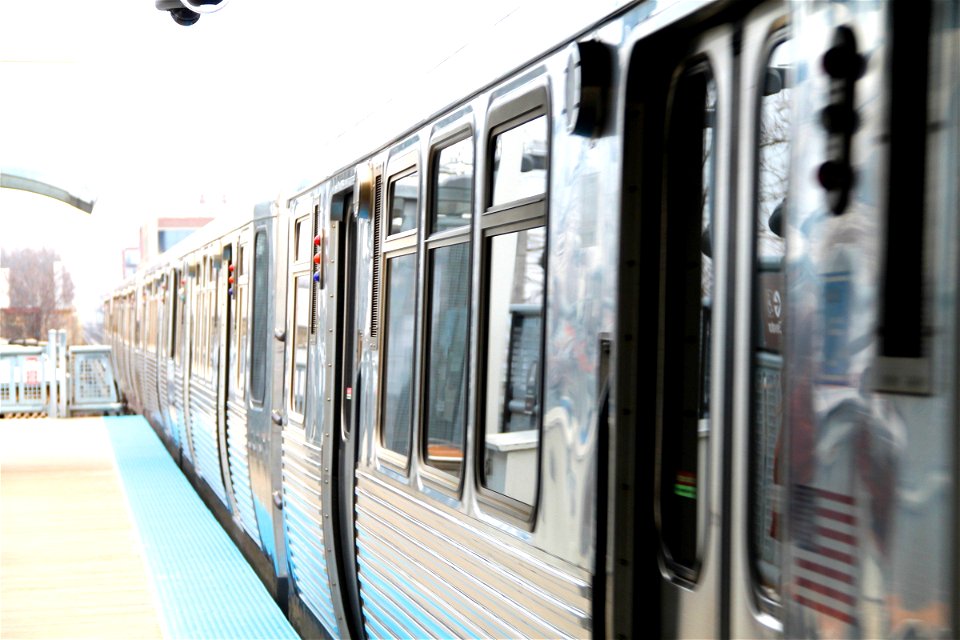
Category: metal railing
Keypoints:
(56, 380)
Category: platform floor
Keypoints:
(101, 536)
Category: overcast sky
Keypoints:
(112, 99)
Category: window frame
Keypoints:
(433, 241)
(674, 226)
(259, 335)
(397, 245)
(511, 111)
(301, 266)
(779, 35)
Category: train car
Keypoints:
(654, 333)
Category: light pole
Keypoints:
(12, 180)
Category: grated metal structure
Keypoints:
(92, 386)
(57, 381)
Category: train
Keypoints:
(656, 332)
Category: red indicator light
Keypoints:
(316, 259)
(316, 240)
(230, 279)
(231, 268)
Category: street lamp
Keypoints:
(12, 180)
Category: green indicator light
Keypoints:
(685, 490)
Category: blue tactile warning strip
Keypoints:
(204, 587)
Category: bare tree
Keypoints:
(41, 293)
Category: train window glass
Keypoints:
(514, 321)
(241, 353)
(171, 290)
(179, 314)
(259, 329)
(241, 313)
(151, 319)
(520, 162)
(404, 195)
(301, 334)
(685, 334)
(212, 329)
(303, 239)
(138, 313)
(453, 186)
(233, 338)
(773, 152)
(200, 320)
(397, 413)
(448, 337)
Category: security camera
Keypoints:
(187, 12)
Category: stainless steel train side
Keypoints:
(656, 332)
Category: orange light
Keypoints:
(316, 259)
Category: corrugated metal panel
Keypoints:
(303, 522)
(203, 423)
(424, 570)
(149, 369)
(162, 401)
(240, 468)
(179, 417)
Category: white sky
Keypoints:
(112, 99)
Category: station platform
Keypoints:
(101, 536)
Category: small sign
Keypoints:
(349, 393)
(771, 310)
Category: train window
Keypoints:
(304, 244)
(151, 318)
(397, 413)
(687, 291)
(448, 305)
(171, 290)
(520, 162)
(514, 321)
(179, 315)
(259, 330)
(241, 319)
(210, 363)
(301, 334)
(138, 315)
(514, 259)
(453, 187)
(773, 152)
(195, 315)
(404, 195)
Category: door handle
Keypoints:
(277, 417)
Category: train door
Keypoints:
(259, 348)
(231, 421)
(675, 534)
(307, 431)
(166, 306)
(872, 352)
(182, 358)
(233, 438)
(767, 68)
(340, 263)
(206, 399)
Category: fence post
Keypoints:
(50, 381)
(63, 379)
